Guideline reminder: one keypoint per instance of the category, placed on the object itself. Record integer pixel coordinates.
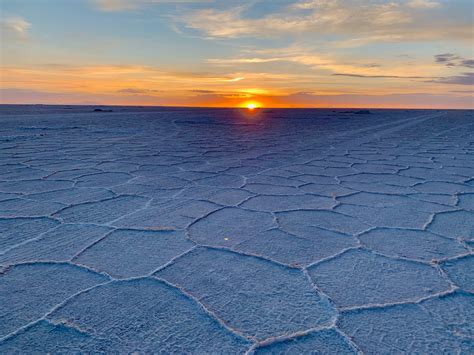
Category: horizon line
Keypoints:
(244, 108)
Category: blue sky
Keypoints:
(306, 53)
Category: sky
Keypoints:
(273, 53)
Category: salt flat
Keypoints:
(228, 231)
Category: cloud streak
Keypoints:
(363, 21)
(382, 76)
(338, 65)
(463, 79)
(125, 5)
(453, 60)
(14, 27)
(138, 91)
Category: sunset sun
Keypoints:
(251, 105)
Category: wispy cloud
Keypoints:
(14, 27)
(202, 91)
(112, 79)
(334, 64)
(359, 21)
(463, 79)
(383, 76)
(123, 5)
(115, 5)
(423, 4)
(138, 91)
(453, 60)
(335, 16)
(464, 91)
(230, 61)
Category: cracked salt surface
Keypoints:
(203, 231)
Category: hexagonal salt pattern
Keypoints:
(325, 341)
(385, 280)
(202, 231)
(132, 253)
(438, 325)
(229, 226)
(38, 288)
(254, 296)
(460, 271)
(132, 316)
(412, 244)
(59, 244)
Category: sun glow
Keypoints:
(251, 105)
